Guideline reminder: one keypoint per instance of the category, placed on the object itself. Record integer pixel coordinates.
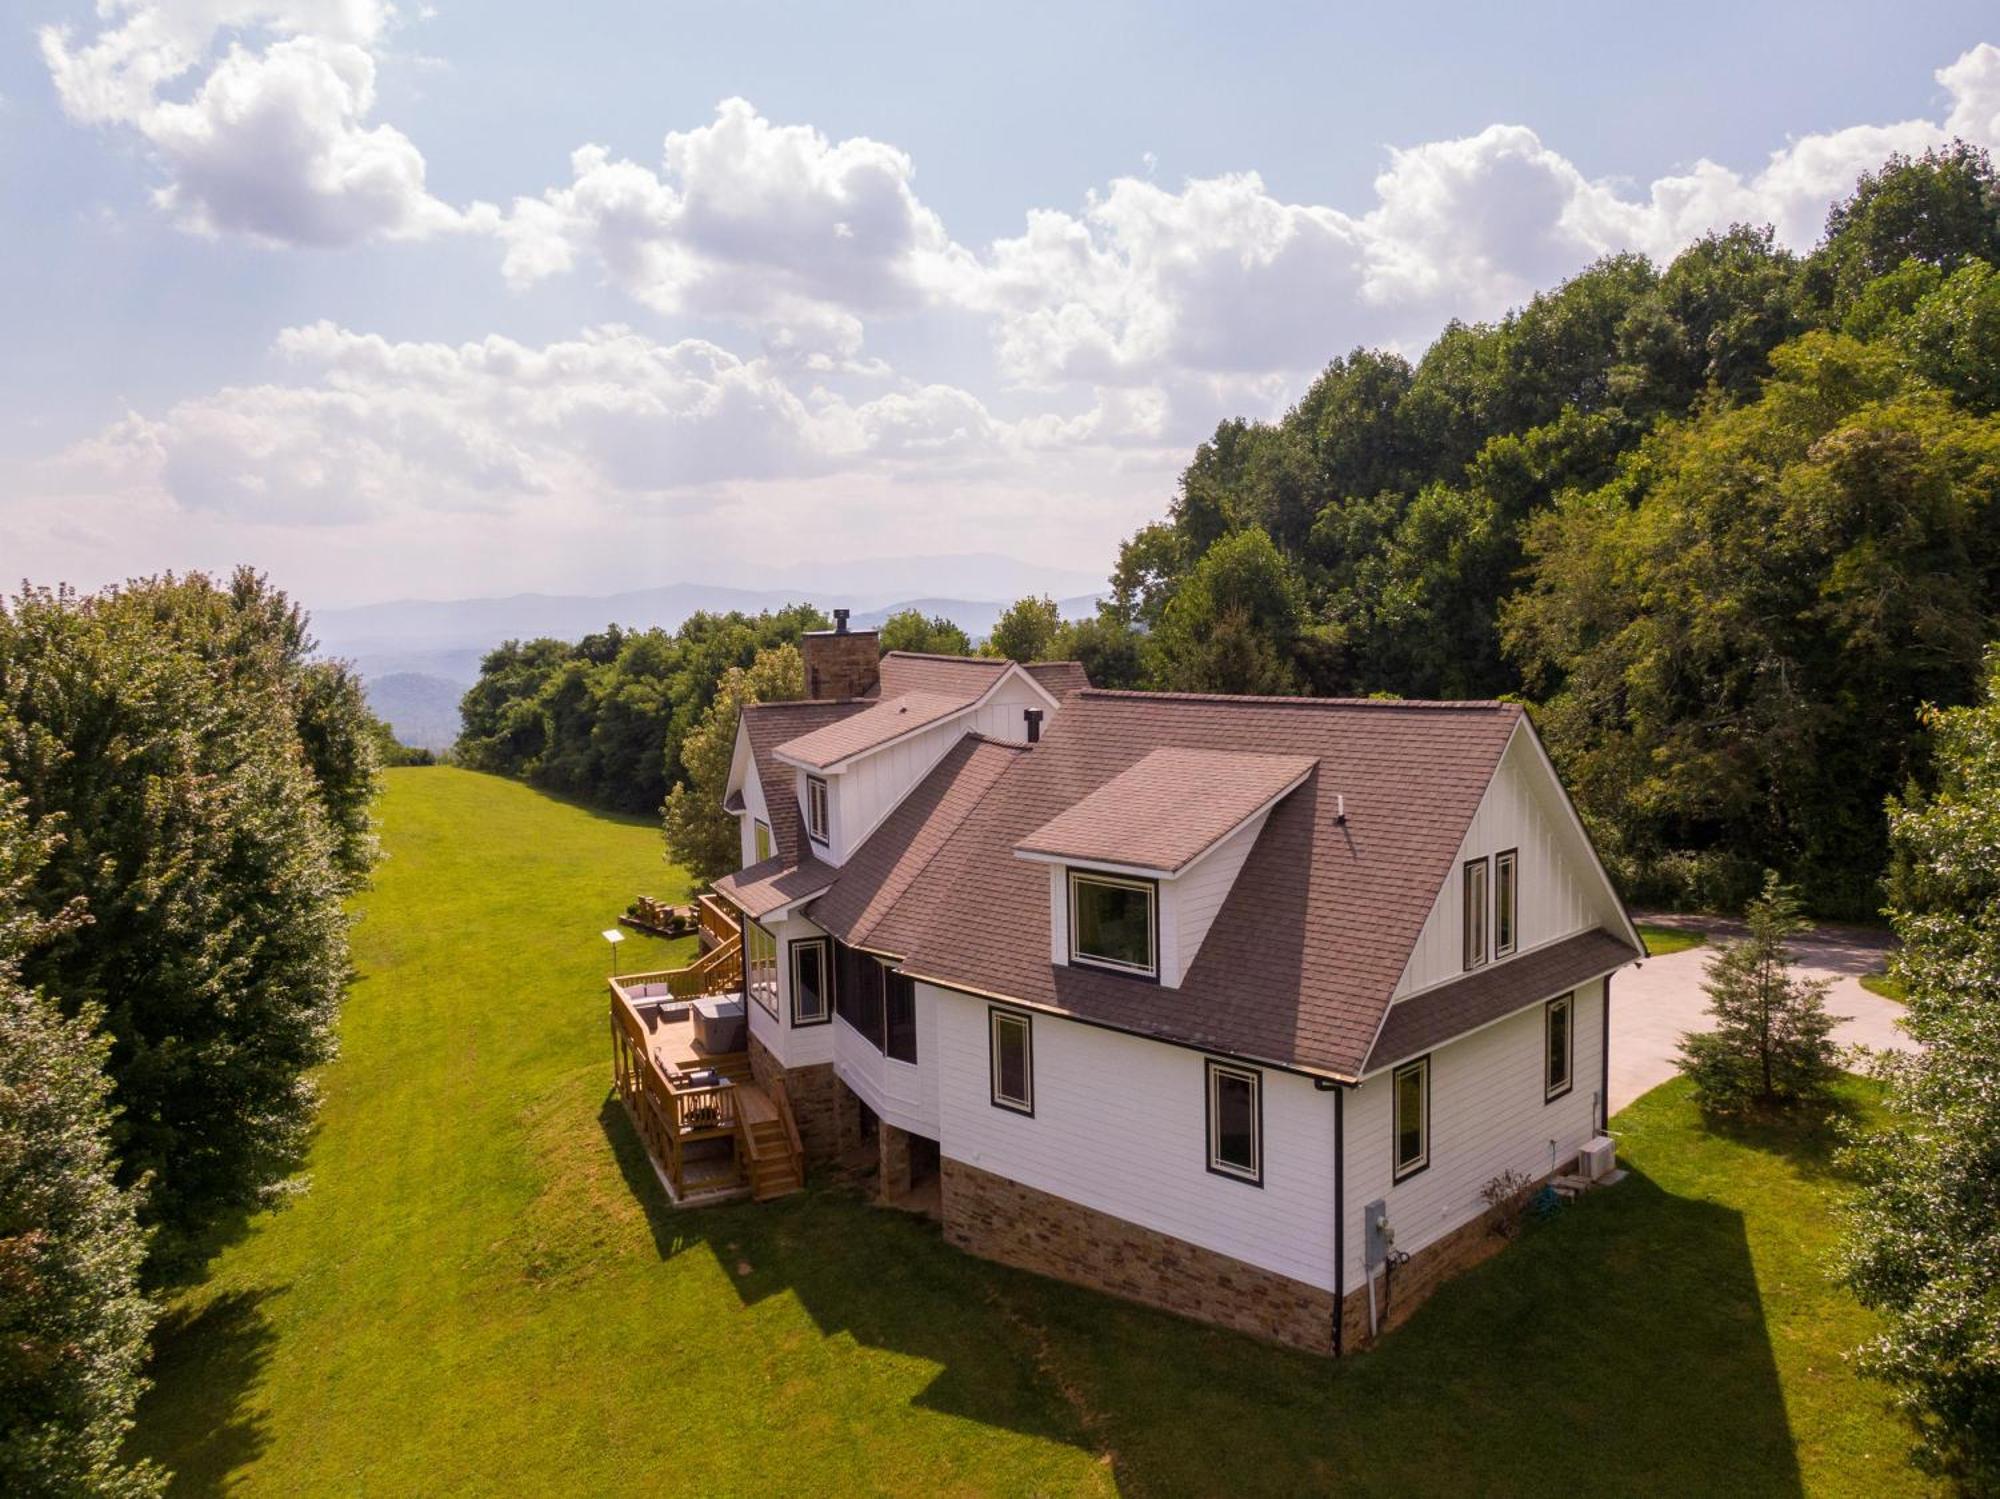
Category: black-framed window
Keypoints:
(1506, 902)
(857, 993)
(1475, 912)
(1114, 923)
(1010, 1045)
(899, 1016)
(1410, 1122)
(816, 816)
(1558, 1047)
(1236, 1122)
(760, 966)
(812, 981)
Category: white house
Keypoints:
(1227, 1005)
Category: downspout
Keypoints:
(1339, 1091)
(1339, 1216)
(1604, 1061)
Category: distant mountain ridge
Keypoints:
(418, 656)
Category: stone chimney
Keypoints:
(841, 662)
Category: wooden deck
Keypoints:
(712, 1132)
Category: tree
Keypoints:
(701, 837)
(73, 1324)
(1922, 1233)
(1940, 209)
(1772, 1044)
(1026, 631)
(218, 951)
(1952, 337)
(1235, 623)
(1109, 649)
(908, 630)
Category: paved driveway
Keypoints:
(1654, 1003)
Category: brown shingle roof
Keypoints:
(887, 885)
(770, 725)
(1167, 810)
(1301, 960)
(1059, 678)
(1417, 1024)
(966, 676)
(774, 883)
(877, 724)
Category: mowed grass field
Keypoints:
(482, 1290)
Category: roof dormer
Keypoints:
(1139, 868)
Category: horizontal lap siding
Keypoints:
(1119, 1126)
(1487, 1116)
(1559, 892)
(899, 1093)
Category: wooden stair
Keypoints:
(773, 1159)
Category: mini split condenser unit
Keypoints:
(1598, 1159)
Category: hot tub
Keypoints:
(718, 1023)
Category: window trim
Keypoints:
(891, 976)
(1211, 1071)
(825, 946)
(822, 832)
(750, 989)
(1398, 1171)
(1551, 1093)
(1483, 906)
(762, 844)
(1510, 859)
(995, 1014)
(1128, 882)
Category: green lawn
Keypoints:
(1661, 940)
(484, 1292)
(1884, 985)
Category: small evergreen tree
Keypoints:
(73, 1323)
(1772, 1044)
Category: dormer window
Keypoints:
(816, 818)
(1113, 923)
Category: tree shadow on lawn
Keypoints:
(196, 1420)
(1619, 1348)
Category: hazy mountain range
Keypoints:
(419, 656)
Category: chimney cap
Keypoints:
(840, 621)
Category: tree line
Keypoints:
(184, 807)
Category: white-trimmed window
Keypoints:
(760, 841)
(1114, 923)
(1010, 1037)
(1506, 903)
(1475, 913)
(812, 981)
(760, 966)
(816, 818)
(1236, 1122)
(1410, 1104)
(1558, 1047)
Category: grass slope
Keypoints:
(484, 1292)
(1661, 940)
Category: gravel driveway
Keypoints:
(1654, 1003)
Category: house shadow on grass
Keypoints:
(196, 1420)
(1618, 1348)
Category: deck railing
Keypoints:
(717, 971)
(666, 1113)
(718, 919)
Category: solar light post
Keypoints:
(613, 936)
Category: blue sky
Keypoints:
(323, 284)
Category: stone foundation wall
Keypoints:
(1017, 1225)
(814, 1096)
(1411, 1285)
(894, 1146)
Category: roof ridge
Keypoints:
(941, 656)
(1432, 704)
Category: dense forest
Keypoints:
(1727, 525)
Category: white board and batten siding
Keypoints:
(1488, 1115)
(1120, 1126)
(1561, 892)
(743, 774)
(792, 1045)
(868, 789)
(901, 1093)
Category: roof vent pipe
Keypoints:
(1340, 809)
(840, 621)
(1034, 718)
